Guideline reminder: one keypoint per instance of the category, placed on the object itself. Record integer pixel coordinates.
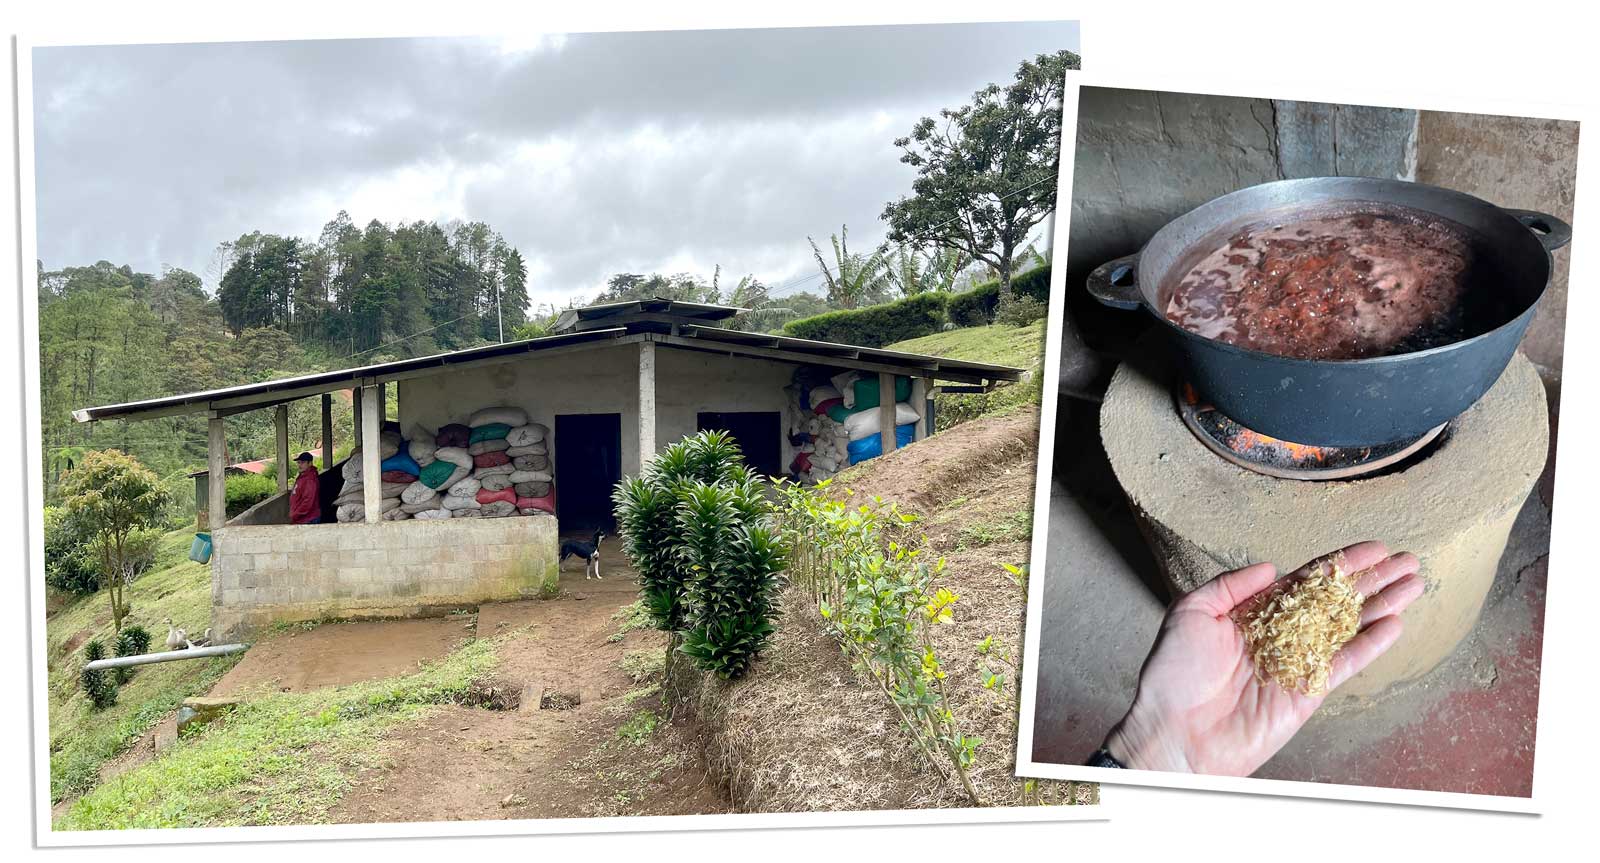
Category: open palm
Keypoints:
(1199, 706)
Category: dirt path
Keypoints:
(611, 754)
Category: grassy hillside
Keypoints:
(1001, 344)
(284, 758)
(83, 739)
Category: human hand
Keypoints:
(1199, 707)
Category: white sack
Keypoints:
(455, 455)
(467, 487)
(417, 492)
(507, 415)
(865, 423)
(422, 446)
(527, 434)
(487, 446)
(530, 476)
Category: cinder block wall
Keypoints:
(266, 574)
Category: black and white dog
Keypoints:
(587, 551)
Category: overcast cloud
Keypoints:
(591, 153)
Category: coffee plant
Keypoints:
(877, 595)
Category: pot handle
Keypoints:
(1115, 283)
(1551, 231)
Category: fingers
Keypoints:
(1353, 558)
(1375, 577)
(1221, 594)
(1392, 598)
(1363, 649)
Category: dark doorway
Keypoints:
(758, 433)
(588, 465)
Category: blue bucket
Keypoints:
(200, 549)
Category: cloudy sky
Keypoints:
(591, 153)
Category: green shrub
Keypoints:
(978, 306)
(695, 524)
(1021, 311)
(100, 686)
(875, 326)
(68, 564)
(131, 641)
(247, 489)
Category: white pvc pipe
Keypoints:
(165, 656)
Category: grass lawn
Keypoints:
(1022, 347)
(1001, 344)
(81, 738)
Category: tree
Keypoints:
(855, 279)
(986, 172)
(109, 496)
(937, 271)
(762, 311)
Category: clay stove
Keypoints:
(1210, 495)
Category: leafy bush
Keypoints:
(875, 326)
(100, 686)
(247, 489)
(131, 641)
(695, 524)
(978, 306)
(68, 563)
(881, 601)
(1021, 311)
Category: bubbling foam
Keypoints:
(1362, 281)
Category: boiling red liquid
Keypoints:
(1365, 281)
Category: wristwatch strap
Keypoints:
(1102, 758)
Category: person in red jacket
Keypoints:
(304, 505)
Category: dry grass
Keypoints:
(805, 731)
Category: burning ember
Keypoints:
(1281, 458)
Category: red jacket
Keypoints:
(304, 507)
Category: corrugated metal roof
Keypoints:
(690, 336)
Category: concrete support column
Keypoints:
(923, 402)
(355, 411)
(647, 403)
(327, 430)
(216, 474)
(886, 411)
(280, 427)
(371, 458)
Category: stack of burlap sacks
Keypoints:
(834, 423)
(497, 464)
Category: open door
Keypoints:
(588, 460)
(758, 433)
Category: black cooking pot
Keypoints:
(1358, 402)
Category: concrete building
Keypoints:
(614, 384)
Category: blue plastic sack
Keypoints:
(871, 446)
(402, 461)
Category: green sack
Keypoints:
(838, 412)
(437, 473)
(867, 391)
(492, 431)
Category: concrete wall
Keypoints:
(265, 574)
(688, 382)
(602, 380)
(1513, 162)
